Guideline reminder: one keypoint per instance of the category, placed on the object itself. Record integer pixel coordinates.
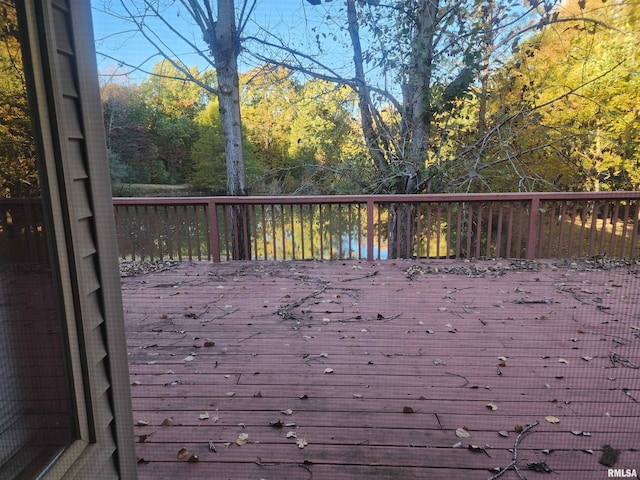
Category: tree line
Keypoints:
(436, 96)
(433, 96)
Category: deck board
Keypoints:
(414, 355)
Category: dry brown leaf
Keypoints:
(291, 434)
(243, 438)
(168, 422)
(328, 370)
(193, 459)
(563, 360)
(492, 406)
(204, 416)
(462, 433)
(301, 442)
(142, 423)
(503, 433)
(552, 419)
(182, 453)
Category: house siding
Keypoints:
(67, 84)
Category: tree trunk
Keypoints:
(226, 47)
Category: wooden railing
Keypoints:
(506, 225)
(22, 238)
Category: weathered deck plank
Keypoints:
(414, 355)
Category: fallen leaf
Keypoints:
(291, 434)
(304, 397)
(193, 459)
(168, 422)
(189, 358)
(182, 453)
(324, 355)
(136, 382)
(438, 361)
(518, 428)
(579, 433)
(209, 344)
(457, 445)
(587, 358)
(288, 411)
(502, 359)
(462, 433)
(258, 394)
(552, 419)
(503, 433)
(212, 447)
(301, 442)
(357, 395)
(492, 406)
(230, 394)
(328, 370)
(204, 416)
(142, 423)
(407, 410)
(275, 423)
(563, 360)
(243, 438)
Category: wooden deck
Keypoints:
(387, 370)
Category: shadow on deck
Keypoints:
(388, 370)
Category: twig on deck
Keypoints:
(368, 275)
(247, 338)
(286, 311)
(260, 463)
(514, 463)
(466, 380)
(522, 301)
(622, 360)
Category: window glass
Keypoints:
(36, 409)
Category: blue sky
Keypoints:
(290, 19)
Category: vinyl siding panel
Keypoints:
(81, 162)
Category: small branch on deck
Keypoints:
(260, 463)
(616, 358)
(389, 355)
(368, 275)
(514, 463)
(250, 336)
(522, 301)
(466, 380)
(286, 311)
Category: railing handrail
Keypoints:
(383, 198)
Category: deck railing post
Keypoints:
(533, 222)
(370, 208)
(214, 233)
